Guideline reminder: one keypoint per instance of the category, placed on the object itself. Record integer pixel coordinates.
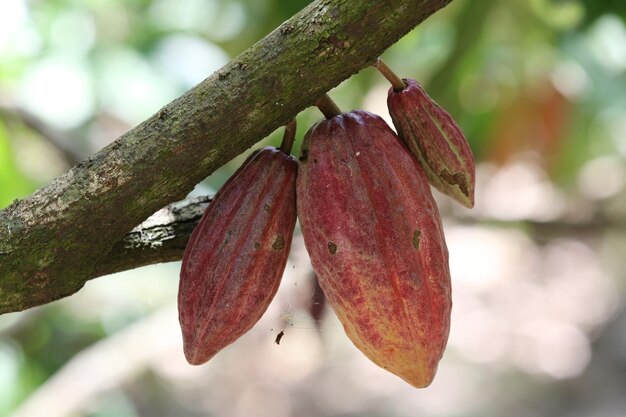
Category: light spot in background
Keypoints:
(73, 30)
(565, 352)
(359, 376)
(262, 400)
(113, 23)
(112, 403)
(375, 101)
(602, 177)
(189, 14)
(221, 21)
(130, 88)
(189, 59)
(519, 190)
(118, 299)
(59, 90)
(574, 277)
(570, 79)
(202, 189)
(13, 14)
(486, 340)
(557, 349)
(228, 23)
(525, 312)
(481, 258)
(8, 320)
(608, 43)
(17, 36)
(455, 389)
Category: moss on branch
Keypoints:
(54, 240)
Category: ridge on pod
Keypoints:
(235, 258)
(435, 139)
(375, 239)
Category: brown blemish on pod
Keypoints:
(332, 248)
(455, 179)
(416, 239)
(279, 243)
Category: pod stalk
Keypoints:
(397, 83)
(327, 106)
(289, 136)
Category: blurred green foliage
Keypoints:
(13, 183)
(96, 68)
(480, 59)
(541, 77)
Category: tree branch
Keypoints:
(161, 238)
(54, 240)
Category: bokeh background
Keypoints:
(538, 266)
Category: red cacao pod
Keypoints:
(435, 139)
(236, 256)
(375, 239)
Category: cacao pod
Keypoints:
(435, 139)
(375, 239)
(236, 256)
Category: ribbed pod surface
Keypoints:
(236, 256)
(375, 239)
(435, 139)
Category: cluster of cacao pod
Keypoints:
(369, 222)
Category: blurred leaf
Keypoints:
(594, 9)
(13, 184)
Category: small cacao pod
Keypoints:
(236, 256)
(435, 139)
(375, 239)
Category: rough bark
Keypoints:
(161, 238)
(54, 240)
